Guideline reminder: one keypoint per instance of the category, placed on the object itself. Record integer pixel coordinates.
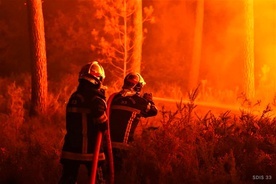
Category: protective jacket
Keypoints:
(85, 113)
(125, 111)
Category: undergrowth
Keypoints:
(181, 147)
(188, 148)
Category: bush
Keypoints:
(223, 149)
(30, 147)
(177, 146)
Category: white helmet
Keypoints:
(134, 81)
(92, 72)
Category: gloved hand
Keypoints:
(148, 96)
(102, 126)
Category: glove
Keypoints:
(102, 126)
(148, 96)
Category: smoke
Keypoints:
(222, 52)
(265, 48)
(223, 35)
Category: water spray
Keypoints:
(205, 104)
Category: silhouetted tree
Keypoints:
(39, 62)
(120, 39)
(196, 57)
(249, 78)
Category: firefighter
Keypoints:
(125, 108)
(85, 116)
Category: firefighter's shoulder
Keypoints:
(76, 98)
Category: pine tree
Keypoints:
(138, 37)
(119, 41)
(39, 62)
(249, 78)
(195, 66)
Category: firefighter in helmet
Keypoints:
(85, 116)
(125, 109)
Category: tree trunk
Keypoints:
(138, 37)
(125, 39)
(196, 57)
(249, 78)
(39, 62)
(274, 43)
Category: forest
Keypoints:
(208, 63)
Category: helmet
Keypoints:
(134, 81)
(92, 72)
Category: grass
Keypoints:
(177, 146)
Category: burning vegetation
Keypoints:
(221, 131)
(180, 145)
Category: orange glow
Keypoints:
(221, 62)
(265, 50)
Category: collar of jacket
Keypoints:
(127, 92)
